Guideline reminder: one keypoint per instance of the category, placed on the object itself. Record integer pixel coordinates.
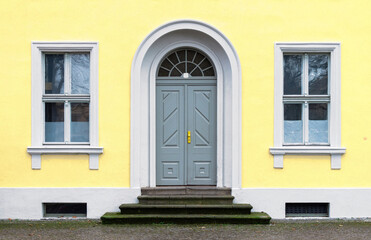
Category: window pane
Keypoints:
(54, 122)
(181, 55)
(196, 72)
(318, 74)
(166, 64)
(190, 55)
(318, 123)
(173, 59)
(80, 73)
(209, 72)
(198, 58)
(54, 73)
(181, 67)
(293, 124)
(163, 72)
(293, 68)
(79, 122)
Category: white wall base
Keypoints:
(26, 203)
(344, 202)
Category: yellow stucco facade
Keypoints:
(120, 26)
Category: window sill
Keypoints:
(335, 153)
(93, 152)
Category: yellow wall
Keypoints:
(120, 26)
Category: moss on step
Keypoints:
(185, 209)
(117, 218)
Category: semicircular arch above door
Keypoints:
(186, 63)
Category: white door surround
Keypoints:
(199, 35)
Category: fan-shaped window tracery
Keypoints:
(186, 63)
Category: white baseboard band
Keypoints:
(343, 202)
(26, 203)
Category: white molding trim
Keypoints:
(169, 36)
(37, 113)
(306, 150)
(65, 150)
(335, 149)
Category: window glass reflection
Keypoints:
(54, 122)
(293, 68)
(54, 74)
(80, 73)
(79, 122)
(318, 123)
(293, 123)
(318, 74)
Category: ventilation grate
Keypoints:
(307, 209)
(64, 209)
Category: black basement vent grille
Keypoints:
(64, 209)
(307, 209)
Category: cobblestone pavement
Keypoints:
(93, 229)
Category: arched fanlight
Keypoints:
(186, 63)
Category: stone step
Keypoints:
(253, 218)
(185, 199)
(235, 209)
(186, 190)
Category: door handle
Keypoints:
(189, 136)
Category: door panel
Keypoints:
(170, 144)
(180, 109)
(201, 121)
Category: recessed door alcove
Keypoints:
(163, 40)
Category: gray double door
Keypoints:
(186, 134)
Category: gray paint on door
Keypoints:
(181, 108)
(170, 145)
(201, 120)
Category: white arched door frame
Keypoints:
(185, 33)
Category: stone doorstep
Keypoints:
(186, 209)
(185, 199)
(186, 196)
(185, 204)
(186, 190)
(253, 218)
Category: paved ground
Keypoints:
(92, 229)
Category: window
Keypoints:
(305, 98)
(64, 100)
(307, 101)
(186, 63)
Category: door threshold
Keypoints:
(186, 190)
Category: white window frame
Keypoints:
(334, 147)
(39, 148)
